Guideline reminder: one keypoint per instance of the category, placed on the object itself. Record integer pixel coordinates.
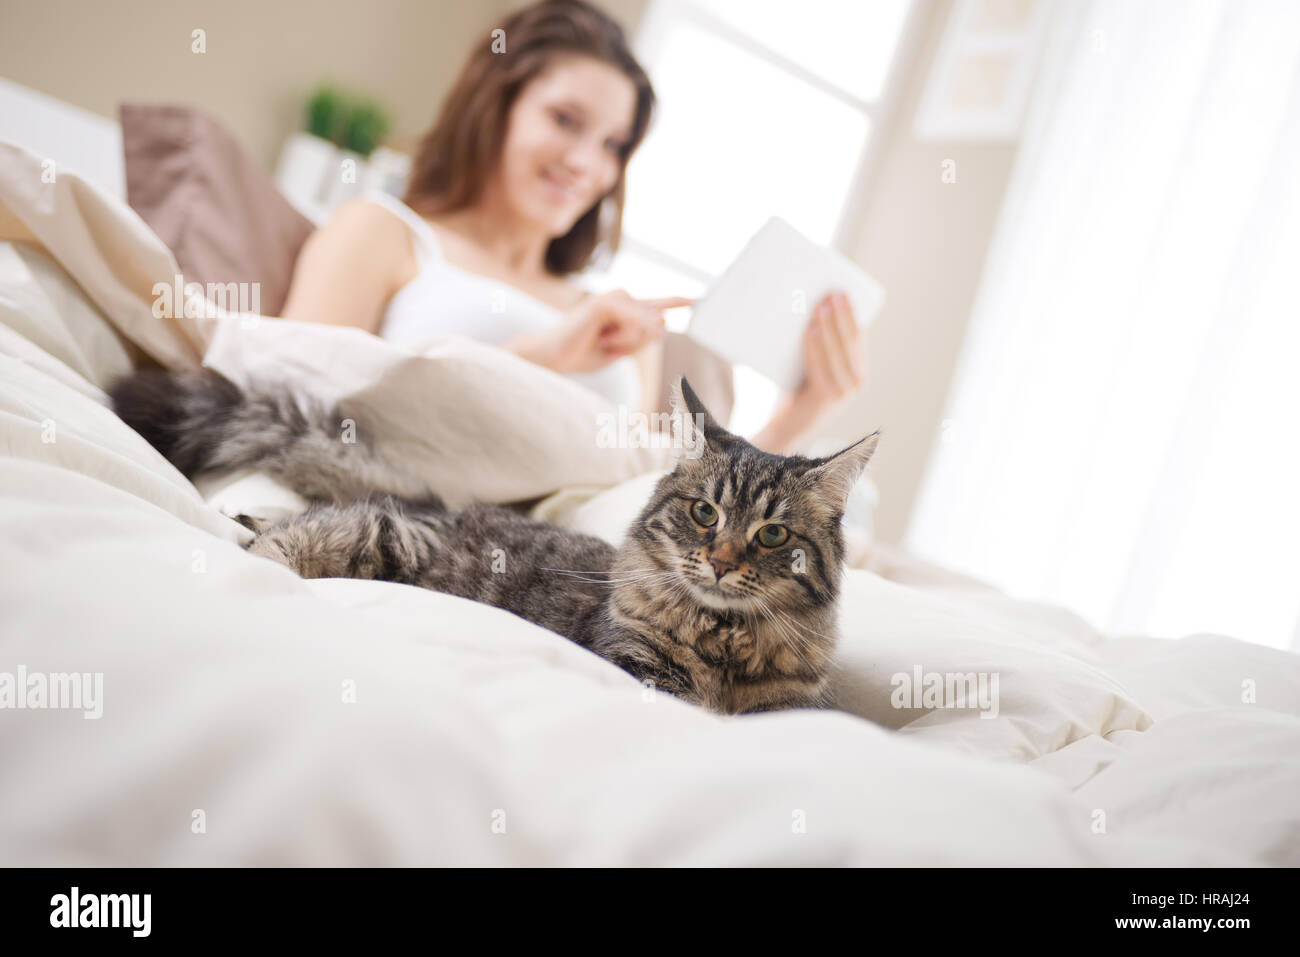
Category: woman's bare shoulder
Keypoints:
(364, 217)
(369, 231)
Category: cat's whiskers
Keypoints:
(794, 641)
(653, 576)
(804, 627)
(828, 641)
(589, 571)
(577, 575)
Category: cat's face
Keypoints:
(740, 529)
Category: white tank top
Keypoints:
(444, 300)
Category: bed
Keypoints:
(251, 718)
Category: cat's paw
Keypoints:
(737, 635)
(303, 548)
(273, 546)
(252, 523)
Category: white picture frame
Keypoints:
(980, 79)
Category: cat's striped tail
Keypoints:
(202, 422)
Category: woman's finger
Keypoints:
(853, 339)
(631, 329)
(622, 340)
(858, 368)
(649, 323)
(845, 339)
(858, 358)
(669, 302)
(837, 360)
(847, 324)
(816, 358)
(809, 329)
(622, 316)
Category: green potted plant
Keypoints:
(363, 124)
(325, 163)
(326, 111)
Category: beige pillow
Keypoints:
(111, 253)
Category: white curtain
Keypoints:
(1123, 433)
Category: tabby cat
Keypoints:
(723, 592)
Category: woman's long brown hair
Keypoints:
(456, 157)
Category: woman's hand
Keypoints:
(833, 363)
(600, 329)
(833, 370)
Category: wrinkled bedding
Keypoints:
(252, 718)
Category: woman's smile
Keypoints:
(558, 189)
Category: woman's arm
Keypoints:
(792, 418)
(598, 330)
(834, 370)
(350, 267)
(650, 365)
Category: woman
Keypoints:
(518, 184)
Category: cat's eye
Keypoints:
(704, 513)
(773, 535)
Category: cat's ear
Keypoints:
(694, 427)
(838, 473)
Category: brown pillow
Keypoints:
(219, 212)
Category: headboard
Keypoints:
(75, 139)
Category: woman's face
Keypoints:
(564, 138)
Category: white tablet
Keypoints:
(754, 314)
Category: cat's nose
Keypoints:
(721, 567)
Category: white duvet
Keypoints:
(249, 717)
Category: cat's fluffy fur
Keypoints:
(702, 609)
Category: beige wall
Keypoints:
(263, 56)
(925, 240)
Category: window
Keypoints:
(765, 108)
(1120, 433)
